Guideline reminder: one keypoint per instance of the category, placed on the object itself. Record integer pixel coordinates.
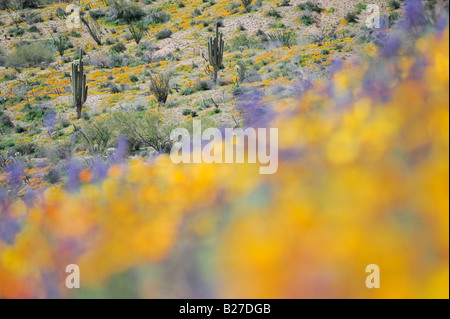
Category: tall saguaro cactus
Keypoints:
(79, 87)
(215, 52)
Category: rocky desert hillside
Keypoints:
(269, 45)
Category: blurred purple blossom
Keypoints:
(415, 17)
(256, 112)
(391, 45)
(99, 169)
(15, 175)
(73, 173)
(121, 151)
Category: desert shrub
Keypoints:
(306, 19)
(133, 78)
(114, 88)
(97, 14)
(59, 152)
(262, 35)
(156, 17)
(138, 31)
(53, 176)
(98, 135)
(187, 91)
(244, 42)
(393, 17)
(9, 76)
(164, 34)
(351, 17)
(119, 47)
(310, 6)
(85, 115)
(32, 18)
(5, 122)
(20, 129)
(203, 85)
(186, 112)
(2, 57)
(148, 49)
(109, 41)
(160, 85)
(360, 7)
(196, 13)
(34, 29)
(247, 5)
(124, 11)
(146, 128)
(394, 4)
(30, 55)
(285, 3)
(61, 43)
(285, 38)
(26, 148)
(274, 14)
(100, 60)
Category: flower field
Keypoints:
(362, 179)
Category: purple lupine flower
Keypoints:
(9, 226)
(415, 17)
(73, 176)
(336, 66)
(301, 86)
(391, 45)
(50, 280)
(3, 200)
(121, 151)
(15, 175)
(100, 170)
(256, 113)
(376, 83)
(50, 122)
(30, 197)
(441, 23)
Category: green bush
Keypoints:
(351, 17)
(98, 135)
(124, 11)
(310, 6)
(285, 38)
(30, 55)
(119, 47)
(164, 34)
(186, 112)
(26, 148)
(274, 14)
(160, 85)
(306, 19)
(156, 17)
(2, 57)
(144, 129)
(244, 42)
(5, 122)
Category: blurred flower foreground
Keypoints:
(362, 179)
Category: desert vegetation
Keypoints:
(91, 90)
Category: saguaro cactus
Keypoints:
(79, 87)
(215, 52)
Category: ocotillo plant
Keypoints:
(79, 87)
(215, 52)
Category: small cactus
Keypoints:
(79, 87)
(215, 52)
